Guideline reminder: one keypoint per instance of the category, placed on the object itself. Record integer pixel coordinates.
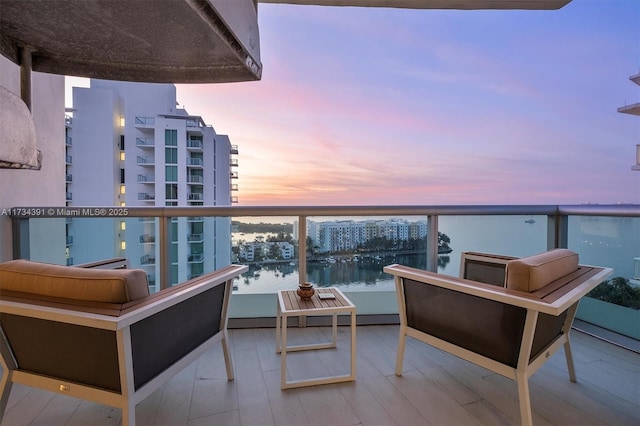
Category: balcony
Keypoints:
(145, 122)
(145, 160)
(195, 238)
(195, 162)
(147, 260)
(144, 196)
(150, 179)
(436, 388)
(69, 196)
(607, 374)
(68, 159)
(68, 141)
(233, 162)
(145, 143)
(69, 178)
(194, 196)
(195, 179)
(194, 145)
(196, 258)
(234, 175)
(234, 149)
(147, 238)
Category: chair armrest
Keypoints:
(154, 303)
(588, 279)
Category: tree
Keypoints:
(618, 291)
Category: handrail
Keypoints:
(557, 218)
(617, 210)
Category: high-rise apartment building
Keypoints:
(127, 144)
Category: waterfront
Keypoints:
(612, 242)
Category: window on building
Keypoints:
(122, 176)
(121, 142)
(171, 137)
(171, 192)
(171, 155)
(171, 173)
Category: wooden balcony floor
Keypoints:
(435, 389)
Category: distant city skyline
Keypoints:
(367, 106)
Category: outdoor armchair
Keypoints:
(505, 314)
(97, 334)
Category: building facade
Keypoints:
(127, 144)
(346, 235)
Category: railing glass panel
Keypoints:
(347, 250)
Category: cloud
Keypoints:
(372, 106)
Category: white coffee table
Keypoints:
(291, 305)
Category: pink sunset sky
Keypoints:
(364, 106)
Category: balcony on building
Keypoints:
(195, 179)
(68, 178)
(233, 162)
(145, 143)
(68, 159)
(145, 160)
(145, 196)
(69, 196)
(145, 122)
(195, 238)
(234, 149)
(196, 258)
(197, 163)
(194, 144)
(435, 389)
(147, 238)
(146, 179)
(68, 140)
(147, 259)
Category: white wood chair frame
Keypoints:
(526, 366)
(128, 397)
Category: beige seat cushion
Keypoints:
(96, 285)
(534, 272)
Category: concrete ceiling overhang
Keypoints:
(163, 41)
(436, 4)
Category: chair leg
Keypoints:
(5, 389)
(228, 361)
(129, 414)
(569, 356)
(400, 354)
(526, 417)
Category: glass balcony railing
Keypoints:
(345, 247)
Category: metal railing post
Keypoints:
(302, 249)
(164, 244)
(432, 243)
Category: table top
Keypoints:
(290, 301)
